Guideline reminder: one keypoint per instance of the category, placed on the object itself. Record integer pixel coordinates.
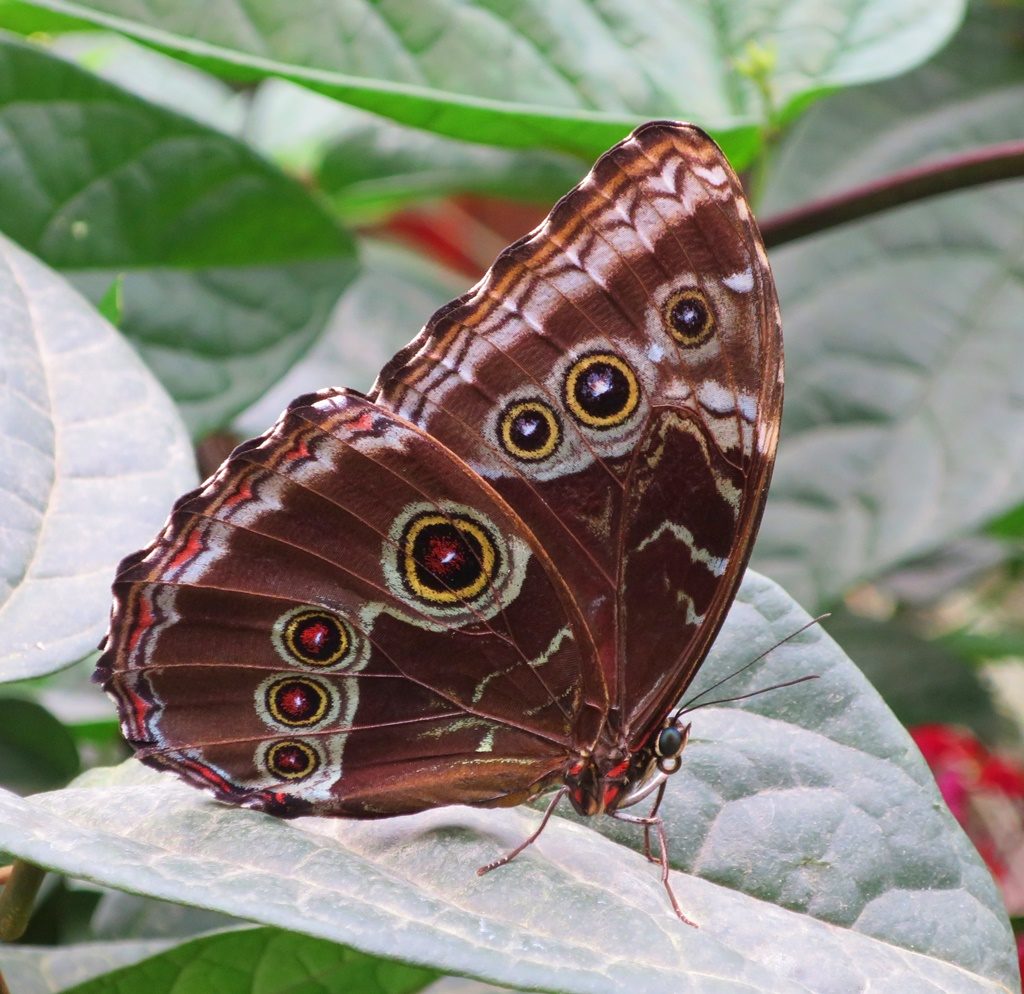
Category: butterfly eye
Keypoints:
(529, 430)
(446, 558)
(291, 759)
(689, 317)
(601, 390)
(297, 702)
(314, 638)
(669, 743)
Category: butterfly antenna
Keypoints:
(692, 702)
(743, 697)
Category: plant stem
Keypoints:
(988, 164)
(17, 897)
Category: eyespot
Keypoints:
(297, 702)
(689, 318)
(291, 759)
(446, 558)
(529, 430)
(314, 638)
(601, 391)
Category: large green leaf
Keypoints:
(231, 267)
(904, 426)
(819, 856)
(570, 74)
(93, 455)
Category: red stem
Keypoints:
(988, 164)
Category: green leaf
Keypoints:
(572, 75)
(818, 856)
(28, 20)
(985, 647)
(263, 960)
(93, 455)
(1009, 525)
(230, 267)
(111, 305)
(36, 751)
(904, 427)
(391, 299)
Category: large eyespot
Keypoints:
(601, 390)
(291, 759)
(689, 318)
(529, 430)
(314, 638)
(446, 558)
(297, 702)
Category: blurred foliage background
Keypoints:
(265, 199)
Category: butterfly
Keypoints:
(495, 574)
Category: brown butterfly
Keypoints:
(495, 574)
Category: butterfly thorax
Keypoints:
(599, 782)
(613, 776)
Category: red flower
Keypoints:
(985, 792)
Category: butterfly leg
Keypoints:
(509, 856)
(655, 822)
(647, 827)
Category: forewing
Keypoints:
(617, 377)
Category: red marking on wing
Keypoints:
(140, 709)
(210, 776)
(363, 423)
(144, 620)
(193, 547)
(299, 451)
(611, 792)
(240, 496)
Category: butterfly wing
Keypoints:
(346, 620)
(617, 377)
(350, 618)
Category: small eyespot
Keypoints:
(297, 702)
(601, 391)
(689, 318)
(292, 759)
(529, 430)
(446, 558)
(314, 638)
